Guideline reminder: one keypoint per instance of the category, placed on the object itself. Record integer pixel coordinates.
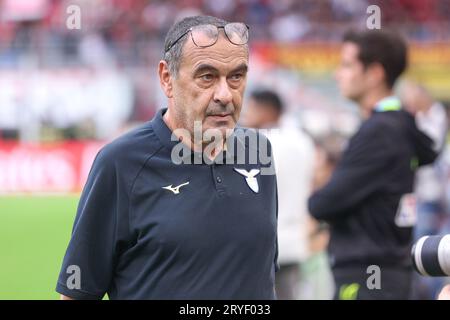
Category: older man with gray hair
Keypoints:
(148, 227)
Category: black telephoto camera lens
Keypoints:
(431, 256)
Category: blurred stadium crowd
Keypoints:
(111, 59)
(59, 84)
(126, 30)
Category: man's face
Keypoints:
(350, 75)
(210, 85)
(257, 115)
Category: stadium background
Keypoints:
(64, 93)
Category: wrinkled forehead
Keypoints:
(223, 54)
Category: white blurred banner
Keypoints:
(65, 98)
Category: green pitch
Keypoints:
(34, 233)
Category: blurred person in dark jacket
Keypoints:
(367, 201)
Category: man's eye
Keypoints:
(207, 77)
(236, 77)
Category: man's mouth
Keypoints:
(221, 116)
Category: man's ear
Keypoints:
(377, 74)
(165, 78)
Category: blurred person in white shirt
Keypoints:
(294, 154)
(431, 180)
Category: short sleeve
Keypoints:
(92, 247)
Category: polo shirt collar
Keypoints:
(169, 140)
(162, 130)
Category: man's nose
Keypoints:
(222, 94)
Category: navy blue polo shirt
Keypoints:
(147, 228)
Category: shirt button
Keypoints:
(218, 179)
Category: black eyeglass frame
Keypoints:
(218, 27)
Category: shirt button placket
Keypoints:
(218, 180)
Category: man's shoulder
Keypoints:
(291, 139)
(383, 123)
(253, 143)
(251, 138)
(134, 145)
